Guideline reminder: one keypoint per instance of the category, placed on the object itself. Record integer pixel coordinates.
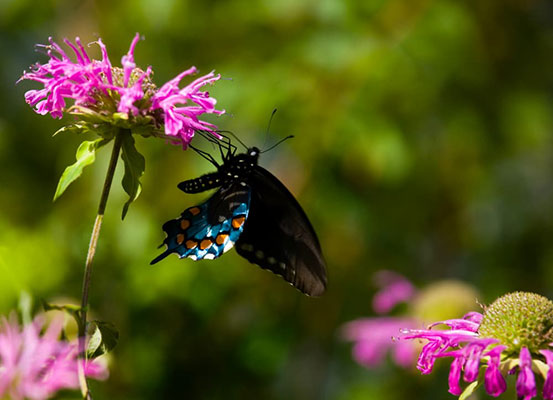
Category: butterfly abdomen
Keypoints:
(201, 184)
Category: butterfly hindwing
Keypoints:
(210, 229)
(279, 237)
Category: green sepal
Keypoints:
(103, 337)
(540, 367)
(470, 389)
(89, 116)
(86, 154)
(73, 128)
(134, 169)
(144, 130)
(103, 130)
(120, 117)
(68, 308)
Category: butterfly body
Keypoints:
(254, 212)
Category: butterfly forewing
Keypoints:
(279, 237)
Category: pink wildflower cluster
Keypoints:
(35, 365)
(468, 348)
(98, 88)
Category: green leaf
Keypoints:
(86, 154)
(134, 169)
(103, 338)
(470, 389)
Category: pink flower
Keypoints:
(34, 365)
(107, 95)
(467, 352)
(500, 340)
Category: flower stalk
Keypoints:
(113, 104)
(90, 256)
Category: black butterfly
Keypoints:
(253, 211)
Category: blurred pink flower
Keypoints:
(374, 337)
(394, 289)
(35, 366)
(100, 90)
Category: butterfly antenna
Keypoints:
(277, 143)
(269, 126)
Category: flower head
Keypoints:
(35, 364)
(512, 336)
(104, 96)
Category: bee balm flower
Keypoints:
(104, 96)
(35, 365)
(514, 335)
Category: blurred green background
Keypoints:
(423, 145)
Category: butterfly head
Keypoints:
(253, 152)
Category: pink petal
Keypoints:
(526, 382)
(494, 382)
(455, 375)
(548, 385)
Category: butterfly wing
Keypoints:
(279, 237)
(210, 229)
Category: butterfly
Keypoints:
(253, 212)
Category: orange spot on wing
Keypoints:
(180, 238)
(194, 210)
(205, 244)
(190, 244)
(220, 239)
(238, 222)
(184, 224)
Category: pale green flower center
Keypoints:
(148, 86)
(519, 319)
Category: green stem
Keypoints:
(90, 257)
